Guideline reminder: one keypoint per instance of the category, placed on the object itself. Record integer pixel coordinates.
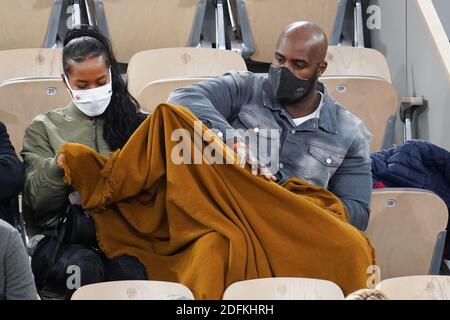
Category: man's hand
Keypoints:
(244, 156)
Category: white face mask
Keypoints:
(92, 102)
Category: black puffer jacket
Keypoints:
(414, 164)
(11, 175)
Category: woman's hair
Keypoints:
(123, 116)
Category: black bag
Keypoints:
(51, 262)
(53, 254)
(78, 227)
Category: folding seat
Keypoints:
(133, 290)
(137, 25)
(158, 91)
(360, 80)
(416, 288)
(154, 74)
(25, 63)
(261, 22)
(346, 61)
(280, 288)
(151, 65)
(407, 229)
(373, 100)
(28, 23)
(21, 100)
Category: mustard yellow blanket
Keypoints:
(210, 225)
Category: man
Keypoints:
(319, 141)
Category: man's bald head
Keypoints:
(307, 37)
(302, 48)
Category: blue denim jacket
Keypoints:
(331, 151)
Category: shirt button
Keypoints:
(220, 134)
(281, 166)
(329, 161)
(256, 130)
(293, 131)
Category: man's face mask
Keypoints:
(92, 102)
(287, 87)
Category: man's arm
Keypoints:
(214, 102)
(45, 191)
(352, 182)
(11, 169)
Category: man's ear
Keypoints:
(322, 67)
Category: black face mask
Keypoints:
(287, 87)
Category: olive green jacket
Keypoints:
(45, 192)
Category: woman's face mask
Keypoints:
(92, 102)
(287, 87)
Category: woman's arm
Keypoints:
(45, 191)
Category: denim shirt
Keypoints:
(331, 151)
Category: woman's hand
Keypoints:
(59, 159)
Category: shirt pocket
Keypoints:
(257, 124)
(322, 162)
(263, 138)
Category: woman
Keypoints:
(102, 115)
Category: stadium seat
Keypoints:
(22, 100)
(262, 21)
(373, 100)
(151, 65)
(283, 289)
(133, 290)
(407, 229)
(137, 25)
(158, 91)
(25, 63)
(345, 61)
(416, 288)
(28, 23)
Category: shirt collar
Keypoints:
(73, 112)
(328, 113)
